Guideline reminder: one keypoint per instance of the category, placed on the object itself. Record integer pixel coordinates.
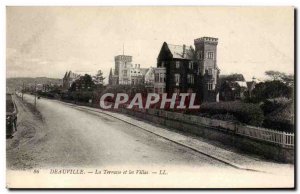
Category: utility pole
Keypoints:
(23, 91)
(35, 94)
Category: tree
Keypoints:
(287, 79)
(83, 83)
(233, 77)
(271, 89)
(275, 75)
(98, 78)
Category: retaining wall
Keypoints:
(217, 130)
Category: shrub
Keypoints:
(282, 118)
(279, 124)
(271, 105)
(247, 113)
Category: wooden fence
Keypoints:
(263, 134)
(278, 137)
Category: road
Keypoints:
(71, 137)
(59, 135)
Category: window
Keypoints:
(162, 78)
(162, 64)
(177, 64)
(125, 73)
(190, 78)
(210, 86)
(177, 79)
(191, 65)
(210, 71)
(210, 55)
(156, 77)
(200, 55)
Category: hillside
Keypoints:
(17, 82)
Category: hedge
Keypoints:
(282, 118)
(247, 113)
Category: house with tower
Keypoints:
(179, 69)
(183, 69)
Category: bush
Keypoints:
(282, 118)
(271, 105)
(279, 124)
(247, 113)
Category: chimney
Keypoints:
(184, 51)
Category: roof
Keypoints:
(241, 83)
(177, 51)
(250, 85)
(144, 70)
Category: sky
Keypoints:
(48, 41)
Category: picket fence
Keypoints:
(278, 137)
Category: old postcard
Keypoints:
(150, 97)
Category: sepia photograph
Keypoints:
(150, 97)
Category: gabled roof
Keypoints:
(65, 75)
(241, 83)
(144, 70)
(178, 51)
(250, 85)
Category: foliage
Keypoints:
(271, 105)
(247, 113)
(232, 77)
(270, 89)
(131, 90)
(287, 79)
(84, 83)
(82, 96)
(282, 117)
(98, 78)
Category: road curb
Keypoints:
(222, 160)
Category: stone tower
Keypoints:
(122, 68)
(208, 71)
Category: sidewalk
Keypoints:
(226, 156)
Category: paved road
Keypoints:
(71, 137)
(59, 135)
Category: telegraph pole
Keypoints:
(23, 91)
(35, 94)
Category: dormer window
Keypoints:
(162, 64)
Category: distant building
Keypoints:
(233, 90)
(149, 76)
(126, 73)
(68, 79)
(234, 87)
(251, 86)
